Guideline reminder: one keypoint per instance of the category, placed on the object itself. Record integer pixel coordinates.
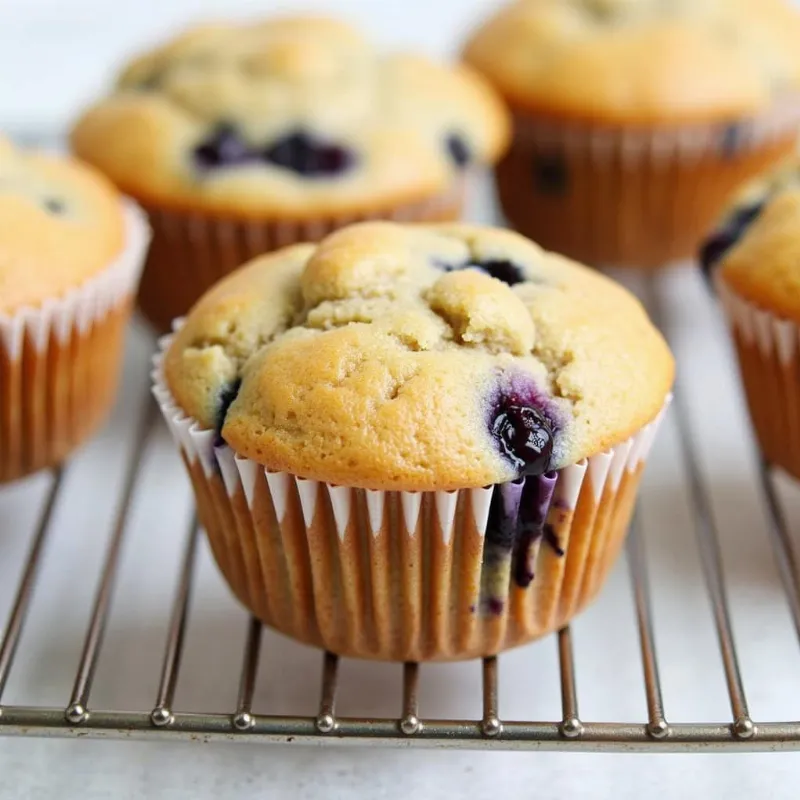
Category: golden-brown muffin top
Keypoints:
(764, 266)
(290, 117)
(418, 358)
(642, 61)
(60, 224)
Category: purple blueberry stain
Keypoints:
(534, 508)
(495, 606)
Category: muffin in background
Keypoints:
(71, 252)
(415, 442)
(239, 139)
(754, 258)
(634, 120)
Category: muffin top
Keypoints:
(293, 117)
(642, 61)
(418, 358)
(745, 208)
(764, 266)
(60, 224)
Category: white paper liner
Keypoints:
(605, 469)
(81, 307)
(688, 140)
(768, 348)
(770, 333)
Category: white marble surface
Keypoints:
(65, 48)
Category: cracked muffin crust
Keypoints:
(295, 117)
(418, 358)
(60, 225)
(645, 61)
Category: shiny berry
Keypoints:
(525, 437)
(503, 270)
(224, 148)
(308, 156)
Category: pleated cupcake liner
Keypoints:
(60, 361)
(193, 251)
(768, 350)
(641, 197)
(407, 576)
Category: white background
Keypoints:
(56, 56)
(53, 57)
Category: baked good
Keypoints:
(755, 261)
(70, 256)
(636, 119)
(243, 138)
(415, 443)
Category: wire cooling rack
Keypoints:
(656, 731)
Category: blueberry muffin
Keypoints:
(636, 119)
(243, 138)
(754, 259)
(413, 442)
(70, 256)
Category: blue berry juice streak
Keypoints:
(516, 526)
(501, 532)
(534, 507)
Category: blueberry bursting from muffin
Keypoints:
(518, 513)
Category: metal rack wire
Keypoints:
(78, 717)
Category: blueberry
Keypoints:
(525, 437)
(227, 394)
(308, 156)
(54, 206)
(224, 148)
(459, 150)
(502, 269)
(550, 175)
(725, 237)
